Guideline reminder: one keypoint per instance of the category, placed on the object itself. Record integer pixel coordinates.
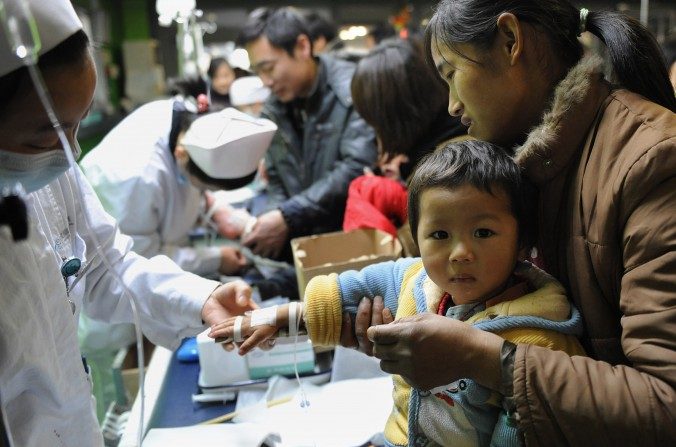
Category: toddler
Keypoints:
(469, 214)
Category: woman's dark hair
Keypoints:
(181, 120)
(70, 51)
(483, 165)
(191, 86)
(215, 63)
(635, 56)
(281, 26)
(218, 61)
(398, 95)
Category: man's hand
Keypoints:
(430, 350)
(367, 315)
(268, 236)
(228, 300)
(232, 261)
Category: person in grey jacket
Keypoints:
(322, 142)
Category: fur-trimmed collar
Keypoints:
(565, 124)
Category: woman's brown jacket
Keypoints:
(604, 161)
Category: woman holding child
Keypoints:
(601, 153)
(470, 215)
(602, 156)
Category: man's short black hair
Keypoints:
(381, 31)
(482, 165)
(281, 26)
(318, 26)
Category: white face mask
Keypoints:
(33, 171)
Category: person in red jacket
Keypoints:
(404, 101)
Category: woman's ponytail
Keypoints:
(634, 54)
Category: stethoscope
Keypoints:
(71, 267)
(14, 214)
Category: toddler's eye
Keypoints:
(483, 233)
(439, 235)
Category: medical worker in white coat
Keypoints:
(44, 390)
(135, 173)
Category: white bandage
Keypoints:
(237, 330)
(249, 225)
(266, 316)
(294, 315)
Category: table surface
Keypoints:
(174, 407)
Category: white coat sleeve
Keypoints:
(169, 299)
(199, 260)
(138, 204)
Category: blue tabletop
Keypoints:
(175, 407)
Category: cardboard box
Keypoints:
(341, 251)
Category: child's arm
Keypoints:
(255, 327)
(328, 296)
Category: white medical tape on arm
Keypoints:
(294, 311)
(237, 330)
(265, 316)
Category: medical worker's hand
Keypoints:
(268, 236)
(228, 300)
(368, 314)
(232, 261)
(430, 350)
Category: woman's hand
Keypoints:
(368, 315)
(430, 350)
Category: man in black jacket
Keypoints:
(322, 143)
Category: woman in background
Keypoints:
(404, 101)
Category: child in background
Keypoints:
(468, 211)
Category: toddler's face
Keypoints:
(468, 241)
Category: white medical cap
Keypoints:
(55, 20)
(228, 144)
(248, 90)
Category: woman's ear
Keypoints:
(510, 38)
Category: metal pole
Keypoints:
(644, 12)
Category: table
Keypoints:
(170, 385)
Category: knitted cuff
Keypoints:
(323, 310)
